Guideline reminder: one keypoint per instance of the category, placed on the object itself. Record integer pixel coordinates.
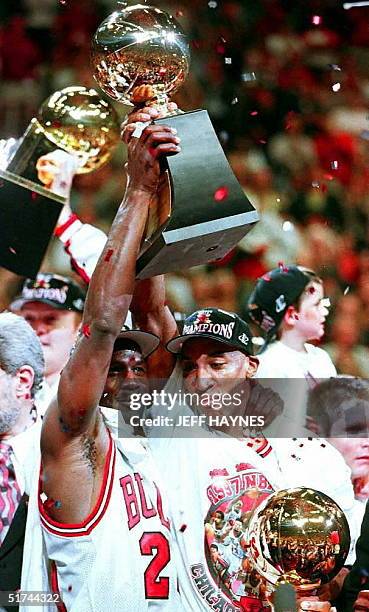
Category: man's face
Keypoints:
(355, 451)
(237, 529)
(127, 375)
(218, 520)
(9, 407)
(312, 313)
(211, 369)
(57, 331)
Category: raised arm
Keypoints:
(150, 313)
(109, 295)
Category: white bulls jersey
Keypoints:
(119, 558)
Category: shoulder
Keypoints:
(270, 364)
(322, 355)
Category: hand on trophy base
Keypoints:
(135, 123)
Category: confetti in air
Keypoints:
(212, 4)
(248, 76)
(349, 5)
(346, 291)
(316, 20)
(221, 194)
(228, 60)
(13, 251)
(234, 101)
(183, 528)
(34, 195)
(336, 86)
(335, 67)
(334, 165)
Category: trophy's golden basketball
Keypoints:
(299, 536)
(77, 120)
(141, 57)
(140, 53)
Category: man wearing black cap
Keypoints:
(53, 306)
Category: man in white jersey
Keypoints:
(105, 529)
(207, 475)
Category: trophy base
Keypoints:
(194, 245)
(28, 215)
(209, 211)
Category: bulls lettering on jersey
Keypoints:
(119, 558)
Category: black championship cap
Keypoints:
(226, 327)
(274, 293)
(146, 341)
(57, 291)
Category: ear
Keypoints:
(252, 366)
(25, 377)
(290, 316)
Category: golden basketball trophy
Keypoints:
(74, 120)
(300, 537)
(141, 56)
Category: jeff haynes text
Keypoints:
(193, 420)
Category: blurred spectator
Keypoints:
(340, 410)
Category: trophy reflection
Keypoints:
(300, 537)
(75, 131)
(141, 56)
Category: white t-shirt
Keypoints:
(208, 475)
(305, 370)
(280, 361)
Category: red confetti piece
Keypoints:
(12, 250)
(282, 267)
(49, 503)
(316, 20)
(34, 195)
(86, 330)
(254, 113)
(183, 528)
(220, 48)
(267, 277)
(324, 187)
(262, 141)
(108, 255)
(56, 124)
(328, 177)
(221, 194)
(179, 14)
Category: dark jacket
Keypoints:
(358, 578)
(11, 552)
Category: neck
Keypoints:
(293, 340)
(52, 378)
(25, 420)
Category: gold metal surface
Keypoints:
(300, 536)
(140, 53)
(78, 121)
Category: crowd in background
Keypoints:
(286, 85)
